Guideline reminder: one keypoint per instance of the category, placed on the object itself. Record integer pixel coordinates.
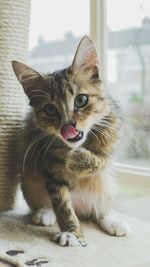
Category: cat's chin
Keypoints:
(74, 145)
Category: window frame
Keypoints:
(126, 174)
(98, 32)
(132, 175)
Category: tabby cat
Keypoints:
(70, 135)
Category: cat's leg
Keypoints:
(39, 201)
(83, 163)
(102, 213)
(71, 233)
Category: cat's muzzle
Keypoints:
(70, 133)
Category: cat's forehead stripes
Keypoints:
(59, 85)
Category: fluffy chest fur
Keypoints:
(91, 195)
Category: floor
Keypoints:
(36, 247)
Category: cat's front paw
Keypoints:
(69, 240)
(82, 162)
(114, 226)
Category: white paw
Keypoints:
(44, 217)
(114, 227)
(69, 239)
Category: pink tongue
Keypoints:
(68, 132)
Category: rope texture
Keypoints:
(14, 27)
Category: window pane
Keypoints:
(56, 28)
(129, 74)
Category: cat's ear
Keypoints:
(86, 58)
(29, 78)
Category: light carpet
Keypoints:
(35, 247)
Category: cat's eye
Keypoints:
(81, 100)
(50, 110)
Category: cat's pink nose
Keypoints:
(69, 132)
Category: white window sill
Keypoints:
(133, 175)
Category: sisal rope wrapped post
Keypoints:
(14, 27)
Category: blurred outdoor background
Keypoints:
(54, 38)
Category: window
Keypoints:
(55, 35)
(128, 76)
(121, 31)
(128, 62)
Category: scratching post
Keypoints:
(14, 27)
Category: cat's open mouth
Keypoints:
(76, 138)
(71, 134)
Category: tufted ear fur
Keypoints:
(86, 58)
(30, 79)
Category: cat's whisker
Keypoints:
(52, 141)
(99, 131)
(97, 140)
(49, 134)
(38, 155)
(33, 148)
(46, 134)
(47, 146)
(105, 125)
(34, 141)
(103, 130)
(106, 130)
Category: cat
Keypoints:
(70, 134)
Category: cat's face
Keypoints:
(70, 102)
